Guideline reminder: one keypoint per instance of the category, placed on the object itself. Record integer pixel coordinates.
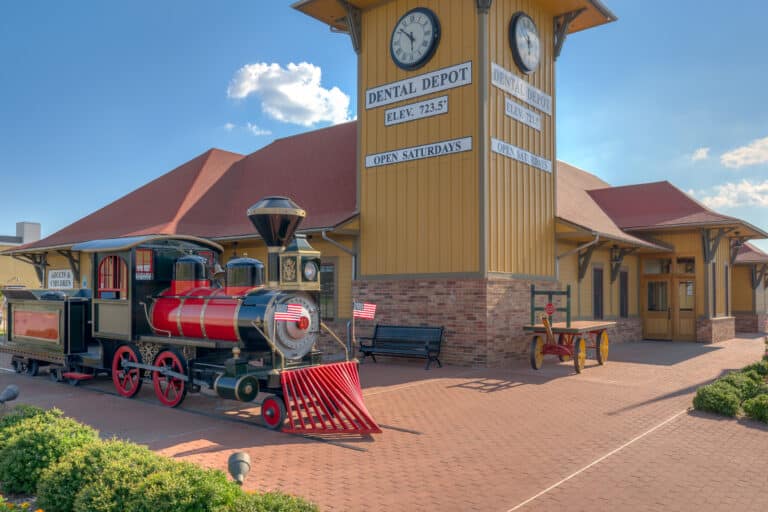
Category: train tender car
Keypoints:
(164, 311)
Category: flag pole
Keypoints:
(354, 340)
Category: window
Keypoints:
(597, 293)
(714, 289)
(113, 283)
(145, 265)
(727, 294)
(686, 265)
(658, 296)
(328, 291)
(624, 294)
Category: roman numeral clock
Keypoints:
(415, 38)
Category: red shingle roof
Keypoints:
(749, 254)
(655, 205)
(209, 195)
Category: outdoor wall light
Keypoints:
(239, 464)
(9, 394)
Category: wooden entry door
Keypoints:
(684, 309)
(657, 314)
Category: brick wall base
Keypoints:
(483, 318)
(762, 323)
(626, 329)
(746, 322)
(715, 330)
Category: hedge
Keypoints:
(757, 408)
(71, 470)
(719, 397)
(34, 443)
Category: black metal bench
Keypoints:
(403, 341)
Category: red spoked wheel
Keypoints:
(273, 412)
(127, 381)
(170, 389)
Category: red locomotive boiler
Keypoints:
(164, 310)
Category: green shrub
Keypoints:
(36, 442)
(183, 487)
(20, 413)
(757, 408)
(719, 397)
(761, 367)
(60, 483)
(271, 502)
(746, 383)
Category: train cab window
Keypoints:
(113, 282)
(145, 265)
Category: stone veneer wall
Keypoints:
(746, 322)
(714, 330)
(626, 329)
(762, 323)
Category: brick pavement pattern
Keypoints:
(461, 439)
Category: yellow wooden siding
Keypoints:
(521, 212)
(581, 292)
(743, 293)
(761, 298)
(419, 217)
(722, 258)
(256, 249)
(58, 262)
(15, 272)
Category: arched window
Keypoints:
(113, 278)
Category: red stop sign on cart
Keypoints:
(549, 309)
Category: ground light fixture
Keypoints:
(9, 394)
(239, 464)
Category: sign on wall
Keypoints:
(432, 150)
(420, 85)
(520, 113)
(414, 111)
(519, 88)
(520, 155)
(60, 279)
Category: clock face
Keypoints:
(525, 43)
(415, 38)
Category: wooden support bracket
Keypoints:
(74, 263)
(37, 260)
(758, 275)
(585, 256)
(353, 22)
(711, 243)
(736, 244)
(616, 263)
(562, 22)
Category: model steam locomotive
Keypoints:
(164, 309)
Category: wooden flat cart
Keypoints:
(567, 340)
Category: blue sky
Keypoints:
(97, 98)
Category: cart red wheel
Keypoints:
(561, 340)
(170, 389)
(273, 412)
(537, 352)
(602, 347)
(127, 381)
(579, 354)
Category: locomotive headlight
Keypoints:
(310, 271)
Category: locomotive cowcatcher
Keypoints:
(165, 311)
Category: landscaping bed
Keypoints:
(740, 393)
(51, 463)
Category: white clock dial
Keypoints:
(524, 39)
(415, 38)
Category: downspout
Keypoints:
(343, 248)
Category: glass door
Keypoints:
(657, 318)
(684, 312)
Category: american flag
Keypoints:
(363, 310)
(288, 312)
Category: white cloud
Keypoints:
(756, 152)
(229, 127)
(729, 195)
(256, 130)
(292, 94)
(700, 154)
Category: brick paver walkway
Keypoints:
(476, 439)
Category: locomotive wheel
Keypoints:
(537, 352)
(579, 354)
(170, 390)
(55, 375)
(602, 347)
(127, 381)
(17, 366)
(561, 341)
(273, 412)
(31, 368)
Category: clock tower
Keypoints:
(457, 159)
